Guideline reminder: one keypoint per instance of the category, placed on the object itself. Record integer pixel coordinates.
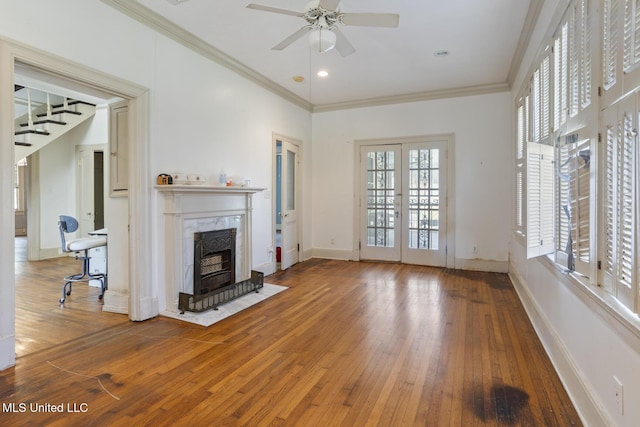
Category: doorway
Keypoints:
(403, 201)
(287, 201)
(90, 188)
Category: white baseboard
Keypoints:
(493, 266)
(7, 352)
(587, 406)
(340, 254)
(49, 253)
(116, 302)
(266, 268)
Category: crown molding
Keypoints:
(416, 97)
(151, 19)
(533, 14)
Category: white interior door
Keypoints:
(403, 203)
(86, 203)
(380, 202)
(289, 208)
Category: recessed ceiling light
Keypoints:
(323, 73)
(441, 53)
(177, 1)
(298, 79)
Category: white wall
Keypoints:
(586, 342)
(482, 161)
(56, 177)
(222, 122)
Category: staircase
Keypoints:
(45, 122)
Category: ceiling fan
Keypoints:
(323, 17)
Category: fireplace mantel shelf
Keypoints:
(186, 188)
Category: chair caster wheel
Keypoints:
(100, 297)
(61, 300)
(68, 293)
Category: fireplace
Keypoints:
(214, 272)
(214, 260)
(187, 211)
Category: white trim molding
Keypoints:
(583, 399)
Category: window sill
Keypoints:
(623, 320)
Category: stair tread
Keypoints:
(60, 112)
(74, 102)
(32, 131)
(23, 144)
(41, 122)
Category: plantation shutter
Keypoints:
(611, 49)
(620, 204)
(540, 205)
(560, 76)
(631, 42)
(520, 170)
(631, 53)
(574, 62)
(545, 97)
(586, 85)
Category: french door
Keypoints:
(403, 203)
(289, 205)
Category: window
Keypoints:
(577, 179)
(573, 169)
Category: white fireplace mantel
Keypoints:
(195, 208)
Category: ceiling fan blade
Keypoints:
(370, 19)
(342, 44)
(274, 10)
(293, 37)
(329, 4)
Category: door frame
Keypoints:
(448, 141)
(142, 300)
(275, 137)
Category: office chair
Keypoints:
(68, 224)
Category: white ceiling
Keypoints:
(482, 37)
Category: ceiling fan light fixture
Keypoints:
(322, 39)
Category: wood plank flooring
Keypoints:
(40, 321)
(348, 344)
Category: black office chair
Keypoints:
(68, 224)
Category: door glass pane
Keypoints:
(424, 198)
(380, 198)
(290, 184)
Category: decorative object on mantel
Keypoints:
(188, 179)
(165, 179)
(211, 300)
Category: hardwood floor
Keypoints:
(40, 321)
(348, 343)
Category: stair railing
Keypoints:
(29, 114)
